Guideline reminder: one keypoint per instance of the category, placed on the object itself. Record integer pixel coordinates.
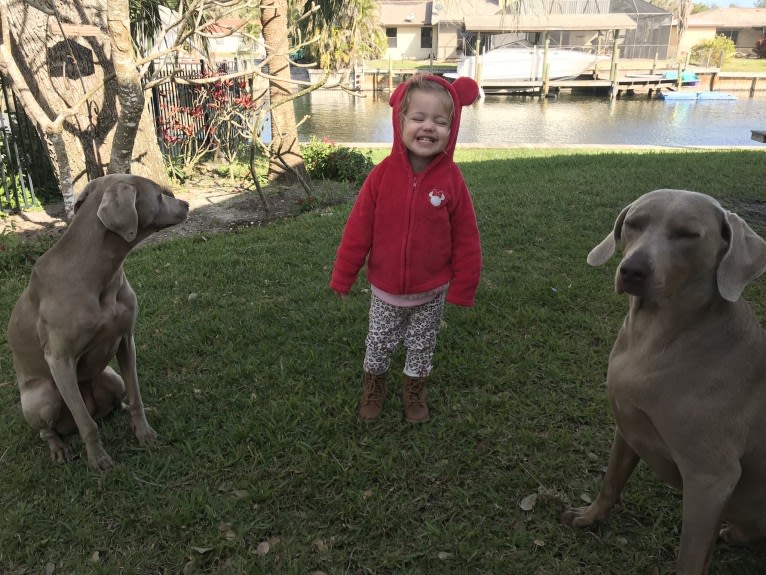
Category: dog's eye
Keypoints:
(684, 234)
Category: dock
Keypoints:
(625, 85)
(618, 83)
(736, 81)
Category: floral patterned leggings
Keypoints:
(391, 325)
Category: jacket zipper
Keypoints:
(410, 224)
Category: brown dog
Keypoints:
(78, 312)
(687, 374)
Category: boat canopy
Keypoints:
(548, 22)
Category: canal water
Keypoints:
(568, 119)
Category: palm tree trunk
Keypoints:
(286, 164)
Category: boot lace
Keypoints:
(374, 389)
(415, 392)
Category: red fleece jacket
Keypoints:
(416, 232)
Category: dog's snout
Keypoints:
(633, 273)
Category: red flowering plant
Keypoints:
(207, 117)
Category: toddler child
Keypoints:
(414, 225)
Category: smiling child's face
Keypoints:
(426, 125)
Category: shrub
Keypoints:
(713, 52)
(760, 48)
(326, 160)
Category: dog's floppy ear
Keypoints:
(117, 210)
(603, 251)
(743, 262)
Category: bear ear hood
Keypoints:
(464, 92)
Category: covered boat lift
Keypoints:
(545, 24)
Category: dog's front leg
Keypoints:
(705, 493)
(64, 374)
(622, 462)
(126, 358)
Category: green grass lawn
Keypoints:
(252, 384)
(754, 65)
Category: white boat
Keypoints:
(521, 60)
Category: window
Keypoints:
(730, 34)
(391, 37)
(426, 37)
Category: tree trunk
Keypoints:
(59, 57)
(129, 91)
(286, 164)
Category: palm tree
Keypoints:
(344, 31)
(145, 20)
(286, 164)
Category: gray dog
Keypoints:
(78, 313)
(687, 374)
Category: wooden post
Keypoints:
(546, 73)
(678, 77)
(613, 65)
(752, 86)
(713, 77)
(546, 44)
(598, 53)
(477, 59)
(613, 81)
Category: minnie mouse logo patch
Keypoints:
(437, 198)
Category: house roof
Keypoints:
(729, 18)
(635, 7)
(484, 16)
(405, 13)
(538, 23)
(450, 10)
(420, 13)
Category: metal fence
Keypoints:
(182, 113)
(26, 175)
(189, 118)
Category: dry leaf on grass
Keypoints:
(528, 503)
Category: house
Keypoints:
(446, 30)
(225, 41)
(745, 26)
(409, 29)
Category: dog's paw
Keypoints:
(60, 453)
(145, 434)
(100, 461)
(580, 516)
(734, 535)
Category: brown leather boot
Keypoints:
(414, 399)
(373, 396)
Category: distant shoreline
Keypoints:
(617, 147)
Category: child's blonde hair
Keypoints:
(420, 82)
